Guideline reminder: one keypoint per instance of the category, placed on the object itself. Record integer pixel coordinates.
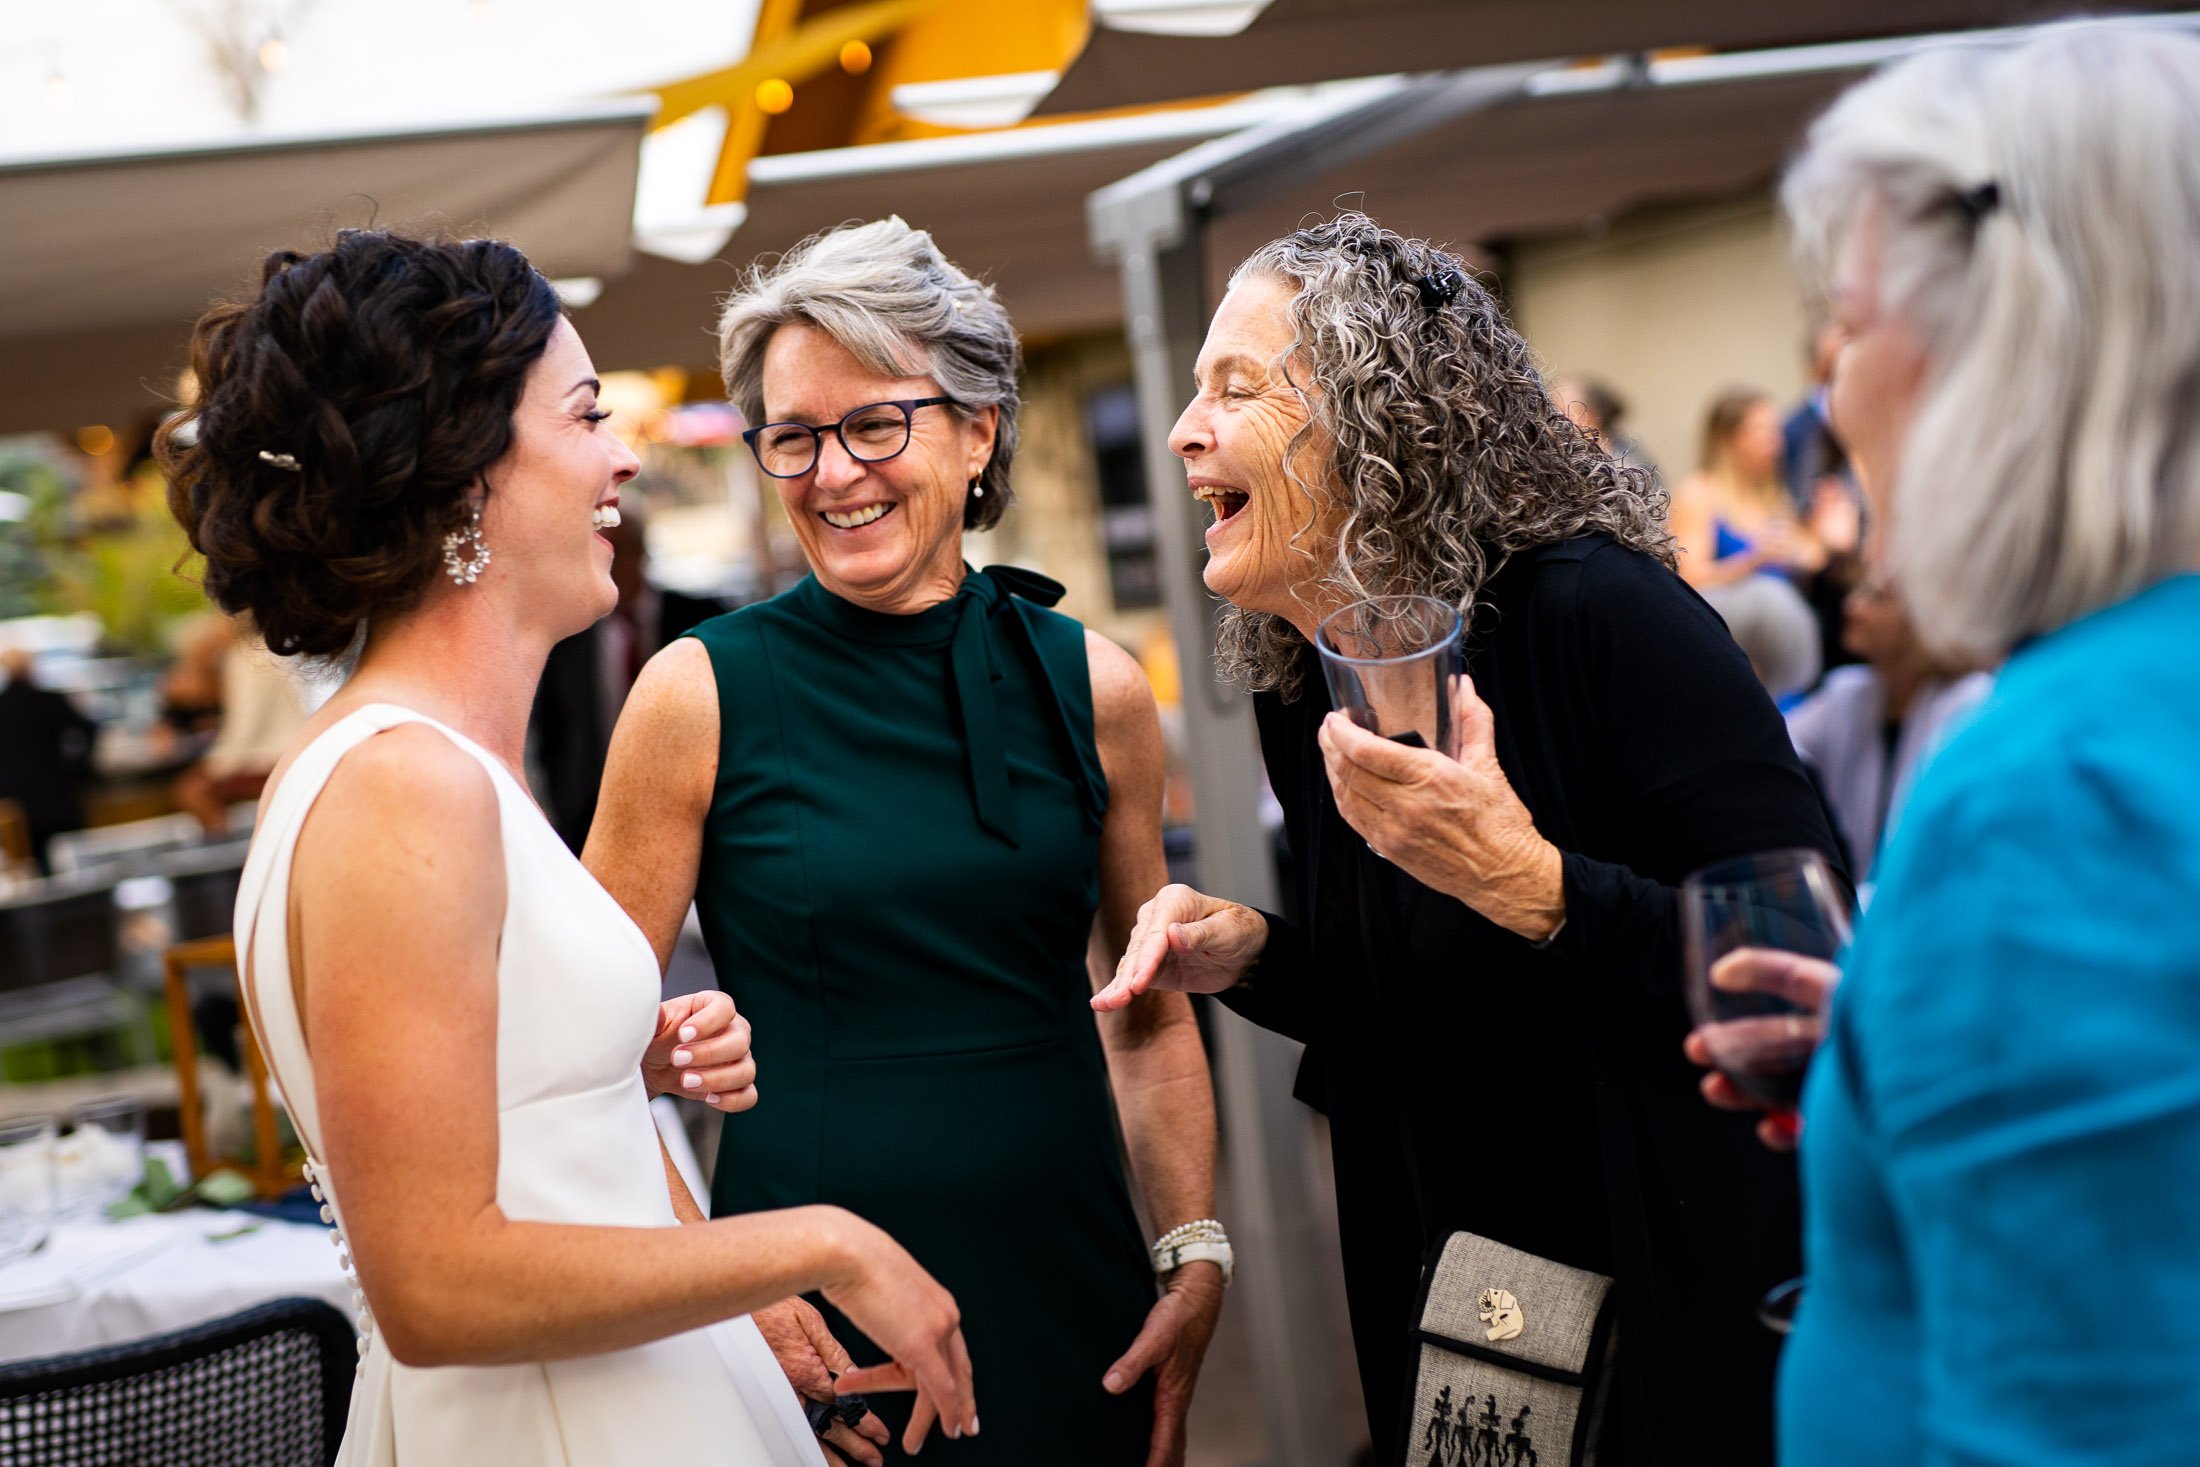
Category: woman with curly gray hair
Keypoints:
(1486, 962)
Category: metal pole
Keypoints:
(1279, 1269)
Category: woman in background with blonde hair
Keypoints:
(1741, 543)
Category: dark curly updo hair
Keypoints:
(344, 417)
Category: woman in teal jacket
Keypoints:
(2001, 1146)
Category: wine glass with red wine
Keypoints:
(1759, 1038)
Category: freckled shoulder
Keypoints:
(669, 725)
(1125, 721)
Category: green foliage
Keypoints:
(123, 568)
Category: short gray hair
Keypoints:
(885, 292)
(2041, 219)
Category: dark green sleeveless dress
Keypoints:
(899, 876)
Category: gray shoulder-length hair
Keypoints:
(2038, 210)
(1442, 437)
(885, 292)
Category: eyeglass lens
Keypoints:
(870, 434)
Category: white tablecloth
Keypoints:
(103, 1283)
(100, 1283)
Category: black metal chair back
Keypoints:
(49, 936)
(266, 1388)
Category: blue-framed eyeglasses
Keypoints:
(871, 434)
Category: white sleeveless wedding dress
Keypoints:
(577, 989)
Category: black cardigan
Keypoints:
(1539, 1096)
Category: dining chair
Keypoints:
(270, 1169)
(269, 1387)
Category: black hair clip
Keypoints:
(1440, 288)
(1976, 203)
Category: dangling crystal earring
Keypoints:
(465, 554)
(977, 489)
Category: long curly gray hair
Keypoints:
(1445, 444)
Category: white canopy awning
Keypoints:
(106, 260)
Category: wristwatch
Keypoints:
(1203, 1241)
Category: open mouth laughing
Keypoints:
(1224, 500)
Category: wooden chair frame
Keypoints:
(270, 1174)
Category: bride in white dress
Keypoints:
(406, 434)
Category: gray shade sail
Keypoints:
(106, 261)
(1298, 41)
(1550, 165)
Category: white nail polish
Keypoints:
(687, 1033)
(692, 1081)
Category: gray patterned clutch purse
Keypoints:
(1513, 1360)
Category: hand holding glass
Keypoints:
(1759, 1012)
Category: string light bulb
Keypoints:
(774, 96)
(855, 58)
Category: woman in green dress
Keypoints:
(917, 812)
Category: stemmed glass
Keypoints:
(1761, 1037)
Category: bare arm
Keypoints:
(398, 886)
(646, 844)
(1694, 522)
(684, 1206)
(1155, 1060)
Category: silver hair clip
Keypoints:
(283, 461)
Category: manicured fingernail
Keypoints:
(1114, 1382)
(973, 1426)
(954, 1432)
(711, 1099)
(683, 1057)
(692, 1080)
(687, 1033)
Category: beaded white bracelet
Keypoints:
(1203, 1227)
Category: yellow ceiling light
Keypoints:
(855, 58)
(774, 95)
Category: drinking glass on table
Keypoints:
(26, 1184)
(1759, 1032)
(1390, 662)
(103, 1155)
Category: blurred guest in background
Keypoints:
(1809, 451)
(45, 752)
(1597, 410)
(2002, 1137)
(585, 683)
(1824, 493)
(191, 688)
(1744, 547)
(1520, 900)
(1866, 729)
(262, 708)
